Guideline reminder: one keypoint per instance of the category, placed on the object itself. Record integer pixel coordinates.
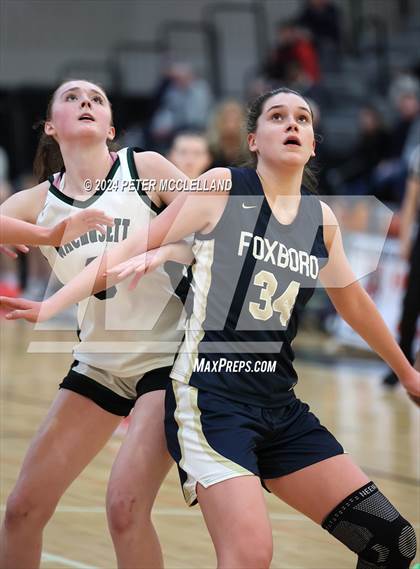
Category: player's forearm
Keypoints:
(359, 311)
(180, 253)
(14, 231)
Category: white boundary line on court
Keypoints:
(50, 558)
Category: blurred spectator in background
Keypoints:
(390, 176)
(8, 275)
(225, 134)
(293, 53)
(5, 187)
(190, 153)
(405, 96)
(415, 70)
(322, 19)
(354, 175)
(410, 250)
(186, 102)
(323, 161)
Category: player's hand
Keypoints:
(411, 382)
(413, 396)
(29, 310)
(12, 254)
(79, 223)
(139, 265)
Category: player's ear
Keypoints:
(313, 148)
(252, 145)
(49, 128)
(111, 133)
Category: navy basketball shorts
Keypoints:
(213, 438)
(115, 394)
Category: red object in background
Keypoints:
(395, 225)
(7, 289)
(308, 59)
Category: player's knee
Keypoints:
(250, 552)
(26, 509)
(125, 513)
(399, 551)
(368, 524)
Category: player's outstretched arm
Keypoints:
(13, 231)
(357, 308)
(137, 266)
(187, 214)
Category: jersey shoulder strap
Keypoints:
(130, 171)
(243, 182)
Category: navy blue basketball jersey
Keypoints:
(252, 277)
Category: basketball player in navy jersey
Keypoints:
(232, 419)
(101, 387)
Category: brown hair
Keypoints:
(254, 112)
(48, 158)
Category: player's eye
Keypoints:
(98, 99)
(277, 116)
(71, 97)
(303, 118)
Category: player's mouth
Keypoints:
(292, 140)
(86, 117)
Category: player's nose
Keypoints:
(85, 102)
(292, 126)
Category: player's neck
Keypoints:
(285, 182)
(84, 163)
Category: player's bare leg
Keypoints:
(137, 474)
(238, 522)
(73, 432)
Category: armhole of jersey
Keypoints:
(211, 234)
(50, 179)
(321, 230)
(135, 176)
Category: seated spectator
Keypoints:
(323, 160)
(371, 148)
(294, 49)
(405, 96)
(390, 175)
(185, 103)
(190, 153)
(5, 187)
(322, 19)
(9, 276)
(225, 134)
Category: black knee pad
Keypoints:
(371, 527)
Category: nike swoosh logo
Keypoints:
(248, 206)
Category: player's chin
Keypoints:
(88, 132)
(293, 158)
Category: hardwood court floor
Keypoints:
(380, 430)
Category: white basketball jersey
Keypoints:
(121, 331)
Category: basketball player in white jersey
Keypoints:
(115, 370)
(231, 429)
